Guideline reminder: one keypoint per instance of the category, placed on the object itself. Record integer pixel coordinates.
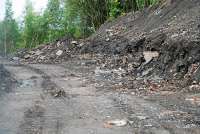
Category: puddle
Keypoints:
(27, 83)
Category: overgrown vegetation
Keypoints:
(74, 18)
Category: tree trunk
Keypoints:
(147, 3)
(5, 38)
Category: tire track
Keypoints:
(34, 117)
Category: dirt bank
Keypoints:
(142, 69)
(159, 42)
(171, 31)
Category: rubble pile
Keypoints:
(158, 43)
(56, 52)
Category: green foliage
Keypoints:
(39, 29)
(9, 30)
(29, 25)
(145, 3)
(74, 18)
(1, 37)
(93, 13)
(88, 13)
(115, 9)
(119, 7)
(54, 16)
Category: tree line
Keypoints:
(74, 18)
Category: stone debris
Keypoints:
(158, 58)
(16, 58)
(38, 52)
(56, 52)
(117, 123)
(149, 55)
(74, 42)
(27, 56)
(59, 52)
(60, 93)
(131, 49)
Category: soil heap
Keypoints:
(159, 43)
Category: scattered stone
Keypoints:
(107, 39)
(117, 123)
(82, 44)
(32, 52)
(175, 35)
(27, 56)
(59, 52)
(109, 30)
(141, 117)
(16, 58)
(146, 72)
(42, 57)
(74, 42)
(137, 50)
(38, 52)
(60, 93)
(149, 55)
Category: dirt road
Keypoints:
(73, 98)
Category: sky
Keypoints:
(19, 5)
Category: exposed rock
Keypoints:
(74, 42)
(42, 57)
(59, 52)
(27, 56)
(16, 58)
(82, 44)
(158, 43)
(38, 52)
(149, 55)
(118, 123)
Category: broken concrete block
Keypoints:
(149, 55)
(59, 52)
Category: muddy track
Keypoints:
(47, 84)
(57, 99)
(33, 120)
(6, 81)
(36, 113)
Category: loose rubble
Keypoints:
(151, 54)
(118, 123)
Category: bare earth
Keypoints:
(72, 98)
(139, 74)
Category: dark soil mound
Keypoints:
(161, 41)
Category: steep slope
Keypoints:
(143, 67)
(162, 41)
(158, 42)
